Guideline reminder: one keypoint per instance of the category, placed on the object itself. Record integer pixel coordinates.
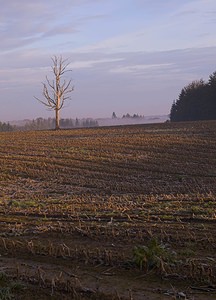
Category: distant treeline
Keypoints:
(197, 101)
(43, 124)
(135, 116)
(127, 116)
(6, 127)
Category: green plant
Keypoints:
(3, 279)
(8, 287)
(6, 294)
(152, 255)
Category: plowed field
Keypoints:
(124, 212)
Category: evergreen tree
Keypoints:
(114, 115)
(197, 101)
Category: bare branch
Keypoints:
(41, 101)
(58, 88)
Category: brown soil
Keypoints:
(74, 205)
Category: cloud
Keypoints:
(100, 26)
(104, 82)
(138, 69)
(184, 65)
(134, 56)
(31, 21)
(83, 64)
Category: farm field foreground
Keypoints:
(109, 213)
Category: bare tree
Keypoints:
(57, 91)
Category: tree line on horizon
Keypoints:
(128, 116)
(6, 127)
(46, 124)
(50, 123)
(196, 101)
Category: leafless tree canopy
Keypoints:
(57, 91)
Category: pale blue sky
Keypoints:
(127, 56)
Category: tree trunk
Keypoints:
(58, 101)
(57, 119)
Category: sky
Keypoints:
(126, 56)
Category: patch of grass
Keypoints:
(6, 293)
(152, 255)
(187, 252)
(23, 204)
(3, 279)
(8, 287)
(167, 217)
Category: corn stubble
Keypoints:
(80, 205)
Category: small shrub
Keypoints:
(8, 287)
(152, 255)
(3, 279)
(5, 293)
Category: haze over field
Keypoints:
(127, 56)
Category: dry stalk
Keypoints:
(17, 270)
(130, 295)
(4, 243)
(30, 247)
(51, 249)
(40, 275)
(66, 248)
(53, 285)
